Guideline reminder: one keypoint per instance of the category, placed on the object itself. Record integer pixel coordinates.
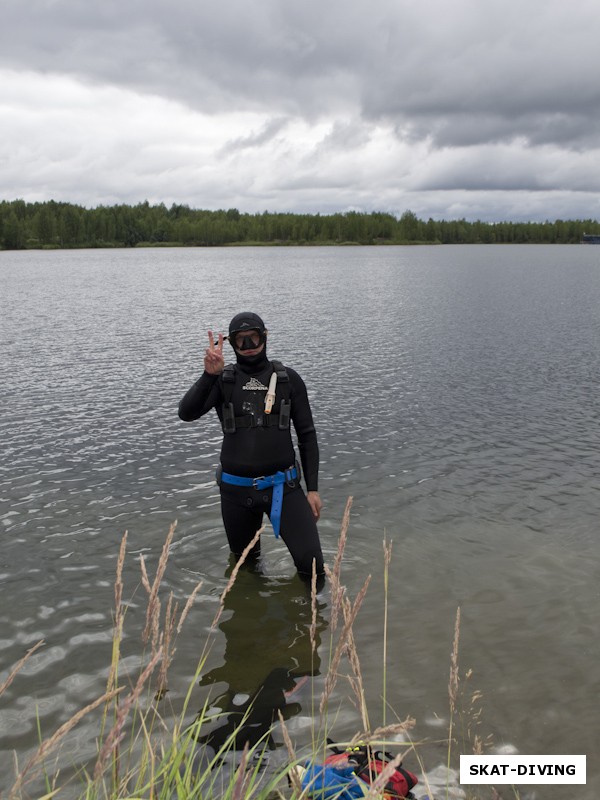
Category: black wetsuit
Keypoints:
(255, 450)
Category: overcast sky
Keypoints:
(451, 108)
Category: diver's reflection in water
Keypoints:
(268, 656)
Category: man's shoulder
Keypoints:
(279, 365)
(293, 375)
(297, 385)
(229, 371)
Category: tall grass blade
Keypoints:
(28, 774)
(19, 666)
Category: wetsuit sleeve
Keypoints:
(204, 395)
(305, 431)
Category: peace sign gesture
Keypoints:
(214, 363)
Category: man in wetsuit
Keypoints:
(258, 469)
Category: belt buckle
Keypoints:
(255, 481)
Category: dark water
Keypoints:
(455, 392)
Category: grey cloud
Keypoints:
(513, 168)
(460, 73)
(450, 79)
(210, 55)
(256, 138)
(501, 73)
(471, 128)
(345, 135)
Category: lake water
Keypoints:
(455, 393)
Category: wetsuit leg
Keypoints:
(242, 518)
(299, 532)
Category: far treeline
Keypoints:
(65, 225)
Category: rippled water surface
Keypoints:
(455, 392)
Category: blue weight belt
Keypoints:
(265, 482)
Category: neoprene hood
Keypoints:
(248, 321)
(245, 321)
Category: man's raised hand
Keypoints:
(214, 363)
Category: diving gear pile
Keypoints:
(348, 774)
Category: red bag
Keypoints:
(369, 764)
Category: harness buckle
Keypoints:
(255, 481)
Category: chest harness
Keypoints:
(264, 419)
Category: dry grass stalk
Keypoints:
(168, 650)
(151, 631)
(337, 564)
(387, 558)
(119, 583)
(342, 645)
(337, 592)
(188, 606)
(376, 788)
(387, 553)
(116, 733)
(118, 621)
(357, 682)
(313, 607)
(286, 737)
(292, 774)
(145, 579)
(474, 717)
(453, 682)
(234, 574)
(241, 778)
(454, 679)
(46, 747)
(150, 754)
(334, 575)
(388, 730)
(118, 618)
(168, 636)
(19, 666)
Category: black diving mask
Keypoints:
(250, 341)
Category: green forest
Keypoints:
(65, 225)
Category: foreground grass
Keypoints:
(140, 754)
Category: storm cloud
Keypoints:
(487, 110)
